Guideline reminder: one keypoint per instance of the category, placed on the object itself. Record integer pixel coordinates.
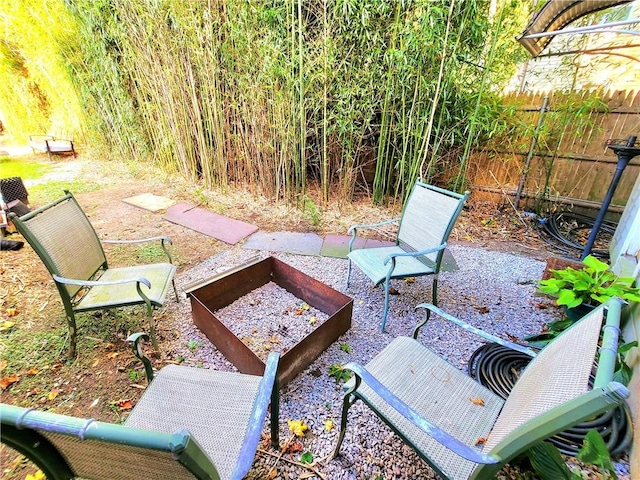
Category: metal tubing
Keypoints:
(623, 160)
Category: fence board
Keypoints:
(583, 166)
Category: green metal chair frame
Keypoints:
(425, 225)
(465, 431)
(189, 423)
(66, 242)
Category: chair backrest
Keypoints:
(65, 240)
(428, 218)
(70, 447)
(553, 392)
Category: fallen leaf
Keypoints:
(94, 364)
(304, 306)
(272, 474)
(481, 441)
(410, 280)
(32, 372)
(32, 393)
(124, 404)
(94, 403)
(6, 381)
(298, 311)
(483, 309)
(477, 401)
(113, 354)
(312, 320)
(140, 387)
(52, 394)
(6, 325)
(297, 427)
(292, 447)
(328, 425)
(306, 458)
(274, 339)
(411, 369)
(3, 363)
(11, 312)
(39, 475)
(393, 291)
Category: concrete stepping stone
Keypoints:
(222, 228)
(291, 242)
(149, 201)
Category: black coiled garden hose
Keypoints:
(563, 229)
(498, 368)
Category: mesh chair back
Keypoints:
(96, 460)
(65, 240)
(103, 451)
(559, 373)
(428, 218)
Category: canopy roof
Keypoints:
(555, 15)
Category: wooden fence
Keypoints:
(564, 157)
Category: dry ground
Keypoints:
(104, 381)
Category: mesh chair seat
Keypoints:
(440, 393)
(181, 397)
(98, 297)
(371, 262)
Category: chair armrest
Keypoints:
(353, 229)
(392, 256)
(134, 339)
(470, 328)
(268, 394)
(163, 241)
(435, 432)
(98, 283)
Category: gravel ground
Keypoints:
(491, 290)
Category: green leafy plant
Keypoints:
(548, 464)
(338, 372)
(345, 347)
(306, 458)
(595, 283)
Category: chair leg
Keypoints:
(73, 336)
(348, 273)
(346, 404)
(152, 333)
(175, 290)
(434, 290)
(386, 305)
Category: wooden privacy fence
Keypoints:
(562, 157)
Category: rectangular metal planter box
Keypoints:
(215, 293)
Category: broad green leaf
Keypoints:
(547, 462)
(594, 450)
(595, 264)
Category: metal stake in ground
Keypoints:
(625, 152)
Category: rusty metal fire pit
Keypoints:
(217, 292)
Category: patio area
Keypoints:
(501, 302)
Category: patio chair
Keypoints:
(189, 423)
(66, 242)
(424, 227)
(465, 431)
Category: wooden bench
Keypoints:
(51, 145)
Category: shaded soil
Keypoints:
(105, 380)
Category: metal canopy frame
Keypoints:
(550, 20)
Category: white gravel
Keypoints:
(491, 290)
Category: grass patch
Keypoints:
(33, 171)
(25, 169)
